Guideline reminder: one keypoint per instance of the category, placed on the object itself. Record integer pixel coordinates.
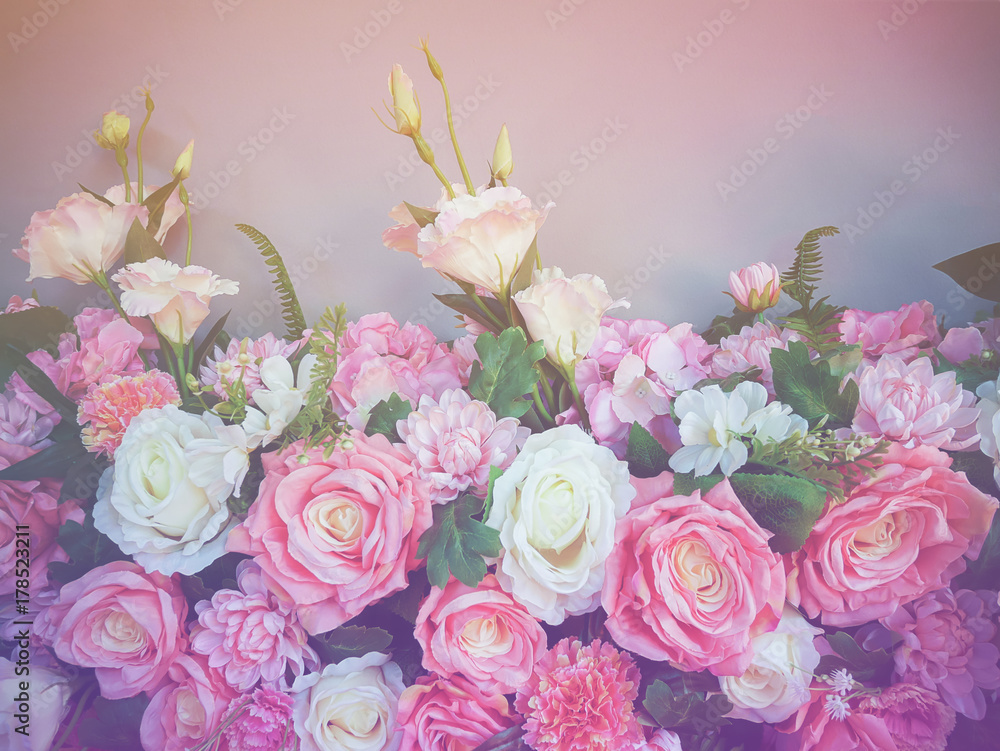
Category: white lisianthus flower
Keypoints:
(150, 501)
(279, 401)
(555, 508)
(776, 683)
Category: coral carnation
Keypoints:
(260, 722)
(109, 407)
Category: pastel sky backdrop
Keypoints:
(678, 140)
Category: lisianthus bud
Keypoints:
(404, 104)
(182, 167)
(114, 131)
(431, 62)
(503, 160)
(755, 288)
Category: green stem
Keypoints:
(138, 144)
(540, 406)
(570, 374)
(187, 213)
(487, 312)
(80, 705)
(122, 160)
(454, 140)
(547, 388)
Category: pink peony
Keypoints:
(676, 359)
(751, 348)
(190, 703)
(661, 740)
(260, 722)
(241, 361)
(691, 578)
(437, 714)
(910, 404)
(581, 699)
(109, 406)
(251, 635)
(755, 288)
(915, 717)
(480, 633)
(454, 441)
(335, 535)
(126, 623)
(948, 646)
(906, 332)
(464, 350)
(899, 535)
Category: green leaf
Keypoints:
(645, 455)
(295, 320)
(155, 202)
(53, 461)
(723, 326)
(495, 474)
(464, 305)
(787, 506)
(39, 382)
(86, 547)
(116, 725)
(976, 271)
(141, 245)
(457, 542)
(522, 279)
(731, 381)
(82, 478)
(688, 709)
(843, 359)
(406, 602)
(810, 389)
(350, 641)
(212, 337)
(685, 483)
(385, 414)
(98, 196)
(506, 373)
(420, 215)
(799, 282)
(506, 740)
(28, 330)
(863, 666)
(969, 374)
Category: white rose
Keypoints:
(350, 706)
(44, 701)
(777, 682)
(150, 503)
(555, 508)
(988, 424)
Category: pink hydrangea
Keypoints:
(242, 358)
(751, 348)
(378, 358)
(915, 717)
(581, 699)
(455, 440)
(109, 406)
(910, 404)
(906, 332)
(439, 714)
(260, 722)
(251, 635)
(616, 338)
(948, 646)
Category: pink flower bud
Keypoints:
(755, 288)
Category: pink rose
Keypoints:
(124, 622)
(691, 578)
(900, 534)
(175, 299)
(334, 535)
(450, 715)
(960, 345)
(77, 240)
(481, 633)
(906, 332)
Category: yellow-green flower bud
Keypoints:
(404, 103)
(113, 134)
(182, 167)
(503, 160)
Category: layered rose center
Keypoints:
(486, 637)
(338, 522)
(696, 570)
(881, 539)
(556, 515)
(190, 714)
(117, 631)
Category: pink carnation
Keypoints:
(581, 699)
(437, 714)
(915, 717)
(751, 348)
(910, 404)
(251, 635)
(948, 646)
(260, 722)
(455, 440)
(899, 535)
(905, 332)
(334, 535)
(242, 360)
(108, 408)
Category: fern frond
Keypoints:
(799, 282)
(817, 326)
(291, 311)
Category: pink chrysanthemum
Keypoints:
(251, 635)
(581, 698)
(454, 441)
(243, 357)
(108, 408)
(915, 717)
(260, 722)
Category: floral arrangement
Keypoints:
(560, 531)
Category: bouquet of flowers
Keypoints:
(560, 531)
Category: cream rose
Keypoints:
(40, 702)
(555, 509)
(151, 503)
(350, 706)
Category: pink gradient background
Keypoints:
(557, 72)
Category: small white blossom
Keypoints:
(841, 681)
(837, 706)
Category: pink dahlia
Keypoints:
(948, 646)
(910, 404)
(751, 348)
(915, 717)
(260, 722)
(907, 332)
(242, 359)
(251, 635)
(439, 714)
(108, 408)
(454, 441)
(581, 698)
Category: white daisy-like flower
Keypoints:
(841, 681)
(837, 706)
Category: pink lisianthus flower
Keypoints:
(581, 698)
(402, 236)
(916, 719)
(755, 288)
(109, 406)
(241, 361)
(251, 635)
(751, 348)
(908, 403)
(440, 714)
(905, 332)
(175, 299)
(899, 535)
(261, 721)
(17, 305)
(454, 441)
(77, 240)
(173, 209)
